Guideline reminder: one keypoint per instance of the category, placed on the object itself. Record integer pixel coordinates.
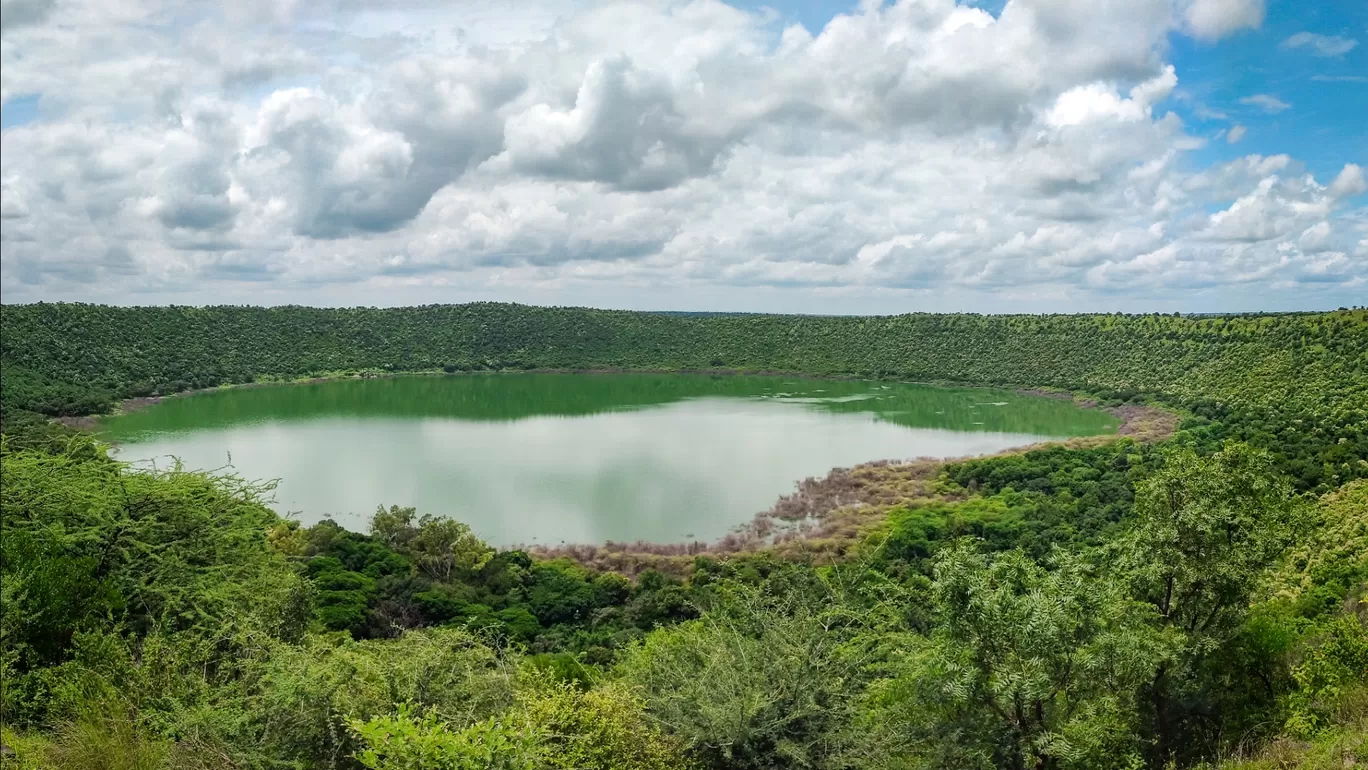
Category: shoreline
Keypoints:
(824, 518)
(821, 520)
(137, 403)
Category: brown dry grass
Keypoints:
(826, 517)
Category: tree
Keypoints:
(763, 681)
(1205, 531)
(85, 540)
(443, 546)
(1030, 666)
(394, 527)
(440, 546)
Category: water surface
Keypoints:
(546, 458)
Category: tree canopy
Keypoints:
(1116, 604)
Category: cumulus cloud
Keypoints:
(1314, 237)
(1349, 182)
(1266, 102)
(1329, 46)
(917, 149)
(1097, 101)
(625, 129)
(1270, 211)
(339, 169)
(1215, 19)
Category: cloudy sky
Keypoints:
(813, 155)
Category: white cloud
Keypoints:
(1313, 237)
(1207, 113)
(1329, 46)
(1098, 101)
(1273, 209)
(1266, 102)
(912, 152)
(1215, 19)
(1349, 182)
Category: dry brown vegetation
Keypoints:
(826, 517)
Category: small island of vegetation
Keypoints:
(1188, 594)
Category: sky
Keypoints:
(806, 156)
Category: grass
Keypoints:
(1345, 745)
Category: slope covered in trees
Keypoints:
(1296, 384)
(1293, 361)
(1117, 605)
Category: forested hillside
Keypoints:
(1296, 385)
(1194, 603)
(1295, 361)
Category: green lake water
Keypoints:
(578, 458)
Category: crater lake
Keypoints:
(541, 458)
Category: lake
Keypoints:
(577, 458)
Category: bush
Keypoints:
(307, 693)
(605, 728)
(408, 742)
(1333, 675)
(761, 682)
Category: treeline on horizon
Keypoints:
(1188, 604)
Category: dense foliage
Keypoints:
(1294, 384)
(1112, 605)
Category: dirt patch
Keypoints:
(143, 402)
(85, 423)
(1044, 393)
(1145, 423)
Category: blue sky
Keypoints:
(1328, 121)
(19, 110)
(1051, 155)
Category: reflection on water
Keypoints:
(576, 458)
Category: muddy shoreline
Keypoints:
(820, 521)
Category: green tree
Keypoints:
(1206, 529)
(306, 693)
(1028, 667)
(394, 527)
(553, 727)
(444, 548)
(87, 545)
(1333, 670)
(764, 680)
